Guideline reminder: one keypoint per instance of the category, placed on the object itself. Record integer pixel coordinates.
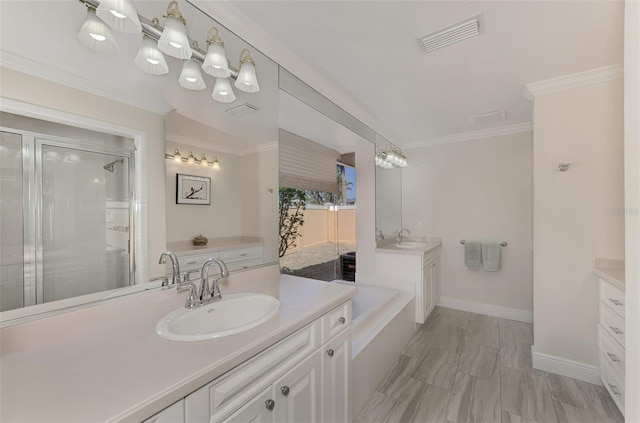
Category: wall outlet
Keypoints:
(419, 226)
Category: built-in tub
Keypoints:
(382, 324)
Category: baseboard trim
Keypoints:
(566, 367)
(487, 309)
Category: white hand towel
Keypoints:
(491, 256)
(472, 255)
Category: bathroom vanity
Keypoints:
(239, 252)
(105, 363)
(417, 262)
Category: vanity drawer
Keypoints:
(612, 323)
(612, 383)
(215, 401)
(243, 254)
(611, 351)
(191, 262)
(239, 265)
(612, 297)
(335, 321)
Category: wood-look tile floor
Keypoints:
(466, 367)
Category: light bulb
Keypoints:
(190, 159)
(216, 164)
(203, 161)
(177, 157)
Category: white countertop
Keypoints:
(106, 363)
(611, 271)
(183, 248)
(391, 247)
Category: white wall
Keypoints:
(632, 204)
(572, 223)
(28, 89)
(475, 190)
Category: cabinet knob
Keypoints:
(616, 330)
(285, 390)
(270, 404)
(342, 320)
(330, 352)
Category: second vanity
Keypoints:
(105, 363)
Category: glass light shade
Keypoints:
(222, 91)
(120, 15)
(174, 40)
(190, 159)
(203, 161)
(247, 80)
(96, 35)
(215, 164)
(215, 62)
(176, 156)
(150, 59)
(190, 77)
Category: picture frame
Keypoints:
(193, 190)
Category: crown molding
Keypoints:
(573, 80)
(472, 135)
(48, 73)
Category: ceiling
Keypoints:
(368, 51)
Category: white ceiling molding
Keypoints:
(185, 140)
(225, 13)
(472, 135)
(48, 73)
(573, 80)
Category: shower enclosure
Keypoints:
(65, 212)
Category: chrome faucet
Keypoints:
(399, 235)
(379, 235)
(175, 279)
(208, 295)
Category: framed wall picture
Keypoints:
(193, 189)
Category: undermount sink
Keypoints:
(233, 314)
(411, 244)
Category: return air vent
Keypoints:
(495, 116)
(451, 34)
(242, 110)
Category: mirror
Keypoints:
(388, 197)
(53, 77)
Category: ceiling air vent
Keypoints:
(495, 116)
(242, 110)
(451, 34)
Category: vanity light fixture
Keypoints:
(96, 35)
(190, 77)
(247, 80)
(222, 91)
(174, 40)
(215, 62)
(150, 59)
(120, 15)
(390, 157)
(191, 159)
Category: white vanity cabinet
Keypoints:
(611, 341)
(303, 378)
(172, 414)
(420, 268)
(235, 259)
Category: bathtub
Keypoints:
(382, 324)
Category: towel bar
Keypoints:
(503, 243)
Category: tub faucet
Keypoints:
(208, 295)
(399, 235)
(175, 279)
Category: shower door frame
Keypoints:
(32, 160)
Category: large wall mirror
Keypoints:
(48, 74)
(388, 196)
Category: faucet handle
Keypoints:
(164, 279)
(187, 275)
(192, 298)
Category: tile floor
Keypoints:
(467, 367)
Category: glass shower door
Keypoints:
(85, 221)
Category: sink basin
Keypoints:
(233, 314)
(411, 244)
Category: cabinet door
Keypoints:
(336, 379)
(297, 394)
(258, 410)
(436, 288)
(427, 296)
